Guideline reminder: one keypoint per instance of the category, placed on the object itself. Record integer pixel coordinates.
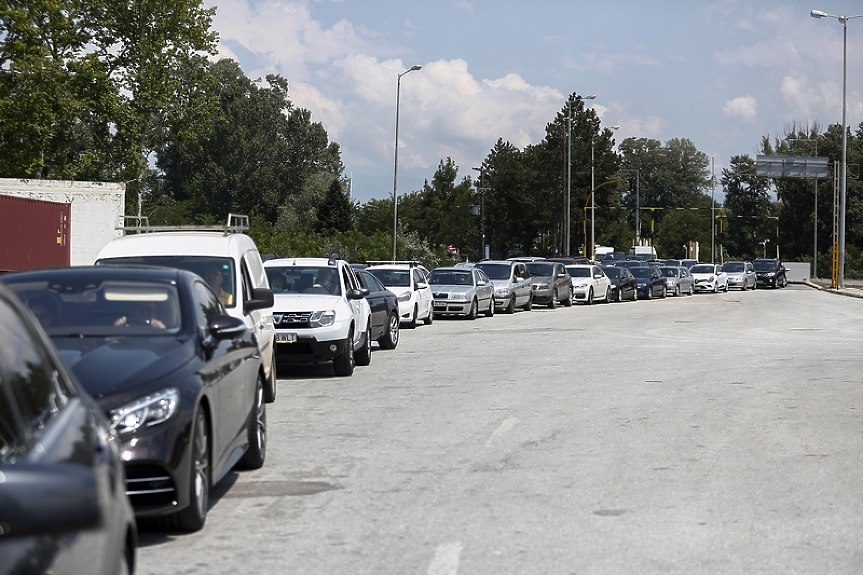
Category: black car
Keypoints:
(180, 380)
(650, 282)
(384, 304)
(623, 283)
(770, 273)
(63, 507)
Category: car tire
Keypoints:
(256, 430)
(568, 301)
(649, 293)
(716, 288)
(270, 387)
(429, 318)
(474, 309)
(691, 290)
(664, 293)
(511, 307)
(490, 311)
(412, 324)
(194, 516)
(344, 364)
(529, 305)
(619, 295)
(677, 291)
(390, 338)
(553, 303)
(363, 356)
(607, 295)
(588, 299)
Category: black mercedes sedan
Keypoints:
(63, 508)
(384, 305)
(623, 284)
(180, 380)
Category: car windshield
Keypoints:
(304, 279)
(578, 272)
(540, 269)
(102, 307)
(496, 271)
(450, 278)
(642, 272)
(670, 272)
(733, 267)
(702, 269)
(765, 266)
(613, 273)
(220, 273)
(392, 278)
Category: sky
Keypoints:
(723, 74)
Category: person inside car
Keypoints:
(214, 277)
(141, 313)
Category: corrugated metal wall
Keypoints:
(33, 233)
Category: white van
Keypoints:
(228, 260)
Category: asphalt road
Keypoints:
(704, 434)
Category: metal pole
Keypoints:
(592, 206)
(396, 168)
(843, 182)
(568, 178)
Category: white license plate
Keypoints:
(440, 305)
(286, 338)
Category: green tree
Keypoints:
(747, 206)
(336, 212)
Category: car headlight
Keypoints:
(146, 411)
(458, 296)
(770, 275)
(541, 286)
(322, 318)
(580, 285)
(405, 296)
(502, 292)
(711, 278)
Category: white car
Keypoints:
(320, 313)
(709, 277)
(589, 283)
(410, 284)
(227, 260)
(741, 275)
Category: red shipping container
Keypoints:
(33, 233)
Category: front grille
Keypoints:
(149, 486)
(292, 319)
(440, 295)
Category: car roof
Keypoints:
(105, 270)
(194, 243)
(283, 262)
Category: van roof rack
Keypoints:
(236, 223)
(412, 263)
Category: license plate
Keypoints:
(440, 305)
(286, 338)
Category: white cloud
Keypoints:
(743, 108)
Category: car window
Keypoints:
(29, 381)
(207, 305)
(392, 278)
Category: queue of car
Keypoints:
(166, 349)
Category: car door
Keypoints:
(603, 283)
(424, 292)
(484, 289)
(377, 301)
(521, 283)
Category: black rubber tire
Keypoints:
(511, 307)
(619, 295)
(490, 311)
(270, 387)
(413, 322)
(390, 338)
(553, 303)
(607, 295)
(256, 429)
(474, 309)
(194, 516)
(529, 305)
(430, 318)
(568, 301)
(344, 364)
(589, 299)
(363, 356)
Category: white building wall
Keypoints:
(97, 208)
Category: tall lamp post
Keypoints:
(842, 179)
(396, 168)
(569, 169)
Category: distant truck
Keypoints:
(643, 252)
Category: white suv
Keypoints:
(408, 281)
(320, 313)
(228, 260)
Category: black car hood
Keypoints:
(123, 367)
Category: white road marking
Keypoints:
(507, 424)
(446, 558)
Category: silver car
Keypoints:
(741, 275)
(461, 291)
(678, 280)
(511, 281)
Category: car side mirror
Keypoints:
(422, 285)
(262, 298)
(226, 326)
(357, 293)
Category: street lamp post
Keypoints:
(396, 168)
(843, 182)
(569, 170)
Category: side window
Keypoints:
(207, 305)
(348, 279)
(246, 279)
(33, 383)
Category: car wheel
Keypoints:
(529, 305)
(511, 307)
(193, 517)
(256, 430)
(553, 303)
(783, 282)
(691, 290)
(429, 318)
(413, 322)
(588, 299)
(649, 293)
(676, 291)
(663, 293)
(391, 338)
(344, 364)
(363, 356)
(619, 295)
(474, 310)
(270, 387)
(568, 301)
(490, 311)
(716, 288)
